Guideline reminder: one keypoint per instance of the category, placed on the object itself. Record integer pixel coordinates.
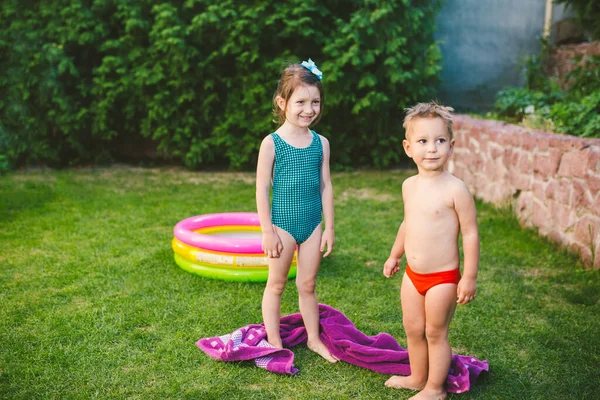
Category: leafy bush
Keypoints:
(585, 78)
(581, 118)
(197, 76)
(575, 111)
(514, 101)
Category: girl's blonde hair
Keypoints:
(292, 76)
(428, 110)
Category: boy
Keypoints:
(437, 207)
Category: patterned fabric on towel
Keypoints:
(380, 353)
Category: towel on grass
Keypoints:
(380, 353)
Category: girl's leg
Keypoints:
(278, 276)
(440, 303)
(413, 319)
(309, 259)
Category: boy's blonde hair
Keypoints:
(428, 110)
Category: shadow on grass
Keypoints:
(17, 197)
(578, 287)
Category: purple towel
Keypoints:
(380, 353)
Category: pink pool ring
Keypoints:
(184, 231)
(224, 246)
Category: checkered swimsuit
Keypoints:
(297, 203)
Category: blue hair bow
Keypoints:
(312, 67)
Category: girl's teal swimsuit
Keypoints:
(297, 202)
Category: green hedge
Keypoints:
(197, 77)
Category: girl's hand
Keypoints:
(271, 244)
(466, 291)
(391, 266)
(327, 240)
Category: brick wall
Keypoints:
(552, 181)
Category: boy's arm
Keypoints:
(467, 218)
(271, 244)
(392, 264)
(328, 237)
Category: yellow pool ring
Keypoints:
(228, 228)
(230, 260)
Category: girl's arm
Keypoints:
(328, 237)
(271, 244)
(467, 218)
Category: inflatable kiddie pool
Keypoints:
(223, 246)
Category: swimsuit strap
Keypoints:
(316, 142)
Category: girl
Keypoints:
(298, 161)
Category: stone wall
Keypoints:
(552, 181)
(560, 61)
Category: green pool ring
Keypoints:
(227, 274)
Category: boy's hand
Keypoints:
(466, 290)
(391, 266)
(271, 244)
(327, 240)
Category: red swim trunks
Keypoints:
(424, 282)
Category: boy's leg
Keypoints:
(440, 303)
(413, 319)
(309, 260)
(278, 276)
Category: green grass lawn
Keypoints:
(92, 304)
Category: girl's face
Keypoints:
(303, 106)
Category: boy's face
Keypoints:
(428, 143)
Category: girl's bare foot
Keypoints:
(278, 344)
(404, 382)
(322, 350)
(428, 394)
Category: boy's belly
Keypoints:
(435, 257)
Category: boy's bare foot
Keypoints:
(428, 394)
(404, 382)
(322, 350)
